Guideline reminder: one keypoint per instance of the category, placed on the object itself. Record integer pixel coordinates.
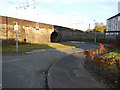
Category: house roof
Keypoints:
(114, 16)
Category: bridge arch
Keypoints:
(54, 36)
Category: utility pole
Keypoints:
(89, 26)
(95, 33)
(27, 4)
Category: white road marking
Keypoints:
(9, 61)
(39, 50)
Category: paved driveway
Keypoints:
(27, 71)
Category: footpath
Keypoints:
(69, 72)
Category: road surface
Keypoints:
(30, 70)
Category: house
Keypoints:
(113, 25)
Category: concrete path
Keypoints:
(70, 73)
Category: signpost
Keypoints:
(16, 29)
(16, 26)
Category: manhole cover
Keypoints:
(43, 71)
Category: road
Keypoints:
(30, 70)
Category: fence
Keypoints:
(113, 34)
(100, 37)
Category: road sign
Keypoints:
(15, 27)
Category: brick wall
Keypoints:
(67, 34)
(27, 30)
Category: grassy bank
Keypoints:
(30, 47)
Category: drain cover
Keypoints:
(43, 71)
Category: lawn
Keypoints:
(115, 55)
(112, 61)
(30, 47)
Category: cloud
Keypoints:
(106, 10)
(66, 2)
(72, 18)
(77, 1)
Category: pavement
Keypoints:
(34, 69)
(69, 72)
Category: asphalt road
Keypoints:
(30, 71)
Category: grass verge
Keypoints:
(30, 47)
(106, 68)
(113, 61)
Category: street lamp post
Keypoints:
(17, 39)
(94, 33)
(16, 29)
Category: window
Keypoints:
(118, 18)
(116, 26)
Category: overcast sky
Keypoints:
(69, 13)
